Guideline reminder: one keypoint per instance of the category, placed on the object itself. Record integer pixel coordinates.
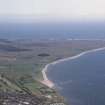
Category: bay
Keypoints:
(82, 80)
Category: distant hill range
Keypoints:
(5, 41)
(6, 45)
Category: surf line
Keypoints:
(48, 82)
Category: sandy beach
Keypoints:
(48, 82)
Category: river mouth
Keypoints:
(81, 81)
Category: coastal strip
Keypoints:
(48, 82)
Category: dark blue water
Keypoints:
(82, 80)
(52, 30)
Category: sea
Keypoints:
(82, 80)
(64, 30)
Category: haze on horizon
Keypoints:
(53, 9)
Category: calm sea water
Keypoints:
(52, 30)
(82, 80)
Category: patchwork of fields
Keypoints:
(21, 62)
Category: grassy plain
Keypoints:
(21, 62)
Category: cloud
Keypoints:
(16, 7)
(63, 9)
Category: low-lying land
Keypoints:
(21, 64)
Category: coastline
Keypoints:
(48, 82)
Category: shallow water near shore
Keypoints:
(82, 80)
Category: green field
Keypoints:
(22, 68)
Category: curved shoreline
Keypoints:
(49, 83)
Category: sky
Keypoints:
(53, 9)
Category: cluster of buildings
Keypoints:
(16, 98)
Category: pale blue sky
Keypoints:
(54, 9)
